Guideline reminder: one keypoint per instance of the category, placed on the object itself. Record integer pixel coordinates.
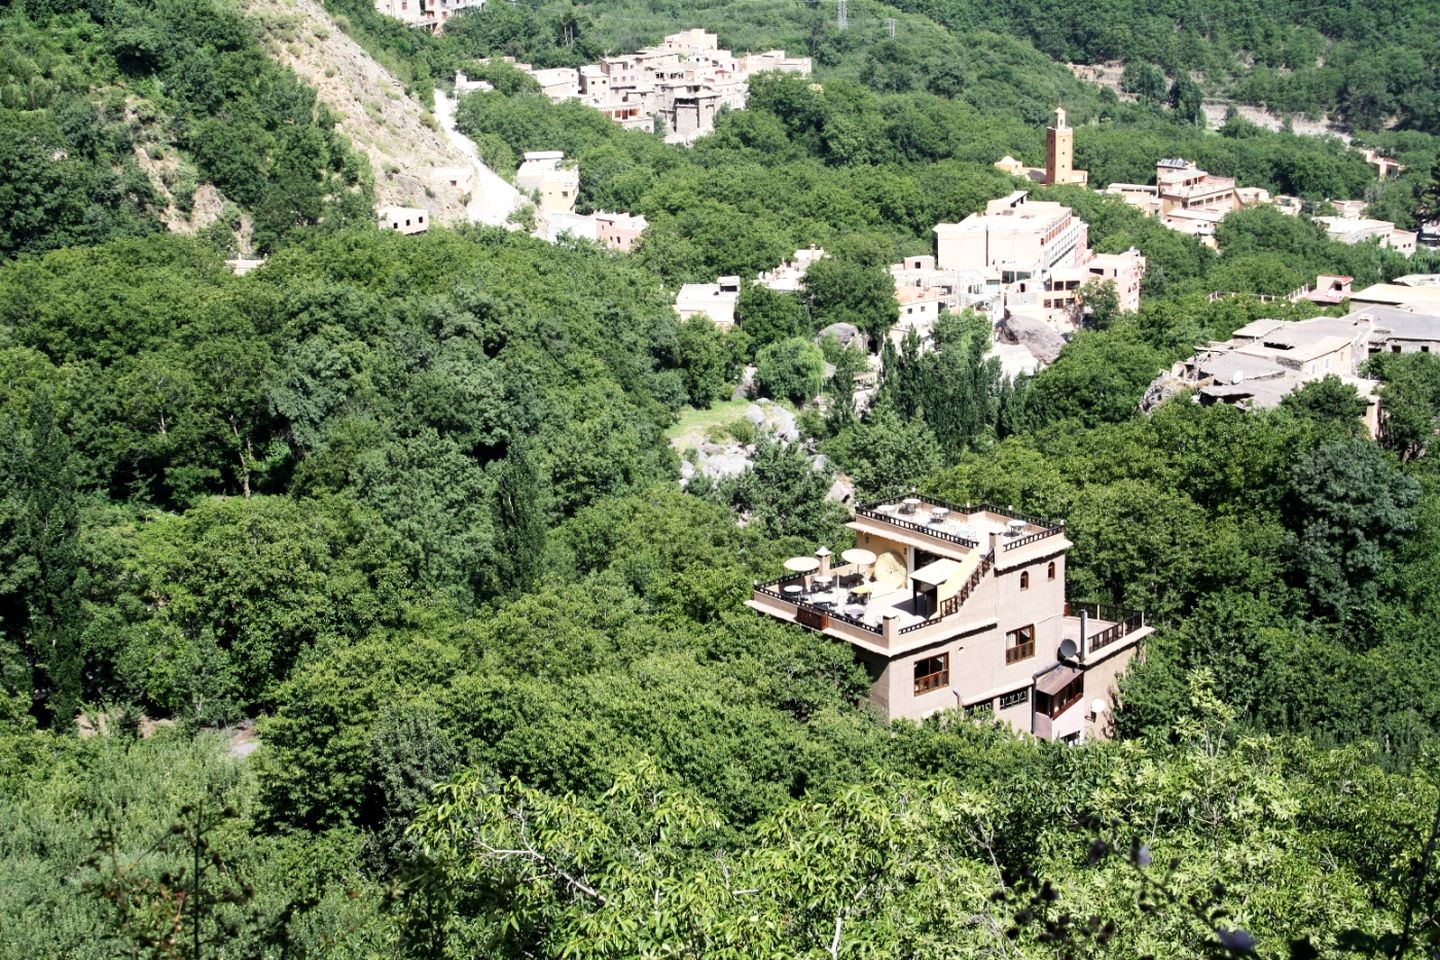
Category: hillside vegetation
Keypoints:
(123, 118)
(407, 505)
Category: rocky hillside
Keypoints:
(413, 162)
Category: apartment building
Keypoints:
(963, 608)
(1015, 236)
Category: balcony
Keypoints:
(1096, 627)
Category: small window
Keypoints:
(1394, 348)
(1020, 644)
(1014, 699)
(1050, 571)
(985, 708)
(932, 673)
(1025, 580)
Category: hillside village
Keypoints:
(529, 479)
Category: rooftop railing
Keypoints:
(811, 614)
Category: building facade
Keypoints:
(964, 608)
(1060, 153)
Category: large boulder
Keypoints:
(1041, 340)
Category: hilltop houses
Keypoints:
(963, 608)
(676, 87)
(427, 14)
(554, 186)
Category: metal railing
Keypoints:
(953, 605)
(815, 610)
(926, 529)
(1023, 541)
(1122, 622)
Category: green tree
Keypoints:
(519, 514)
(791, 369)
(1346, 507)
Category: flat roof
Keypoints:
(938, 571)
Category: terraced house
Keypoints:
(964, 607)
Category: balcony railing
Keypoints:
(1121, 620)
(924, 528)
(1050, 528)
(953, 605)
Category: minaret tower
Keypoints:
(1060, 152)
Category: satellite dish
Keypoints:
(1236, 377)
(1099, 706)
(1067, 649)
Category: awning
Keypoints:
(935, 573)
(1056, 680)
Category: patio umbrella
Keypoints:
(802, 564)
(859, 556)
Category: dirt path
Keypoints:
(416, 164)
(493, 199)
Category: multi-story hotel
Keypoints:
(964, 607)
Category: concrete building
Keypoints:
(964, 608)
(715, 300)
(1383, 166)
(429, 14)
(1353, 230)
(1264, 361)
(1016, 236)
(404, 219)
(554, 186)
(1417, 293)
(618, 231)
(1060, 289)
(789, 276)
(1060, 153)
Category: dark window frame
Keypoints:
(1019, 644)
(936, 675)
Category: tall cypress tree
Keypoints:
(38, 524)
(518, 507)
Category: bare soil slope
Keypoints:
(414, 164)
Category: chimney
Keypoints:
(891, 628)
(823, 554)
(995, 543)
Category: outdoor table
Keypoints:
(855, 610)
(793, 590)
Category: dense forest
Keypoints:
(352, 607)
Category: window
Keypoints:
(1014, 699)
(984, 708)
(1025, 580)
(1055, 704)
(1020, 644)
(1050, 571)
(932, 673)
(1394, 348)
